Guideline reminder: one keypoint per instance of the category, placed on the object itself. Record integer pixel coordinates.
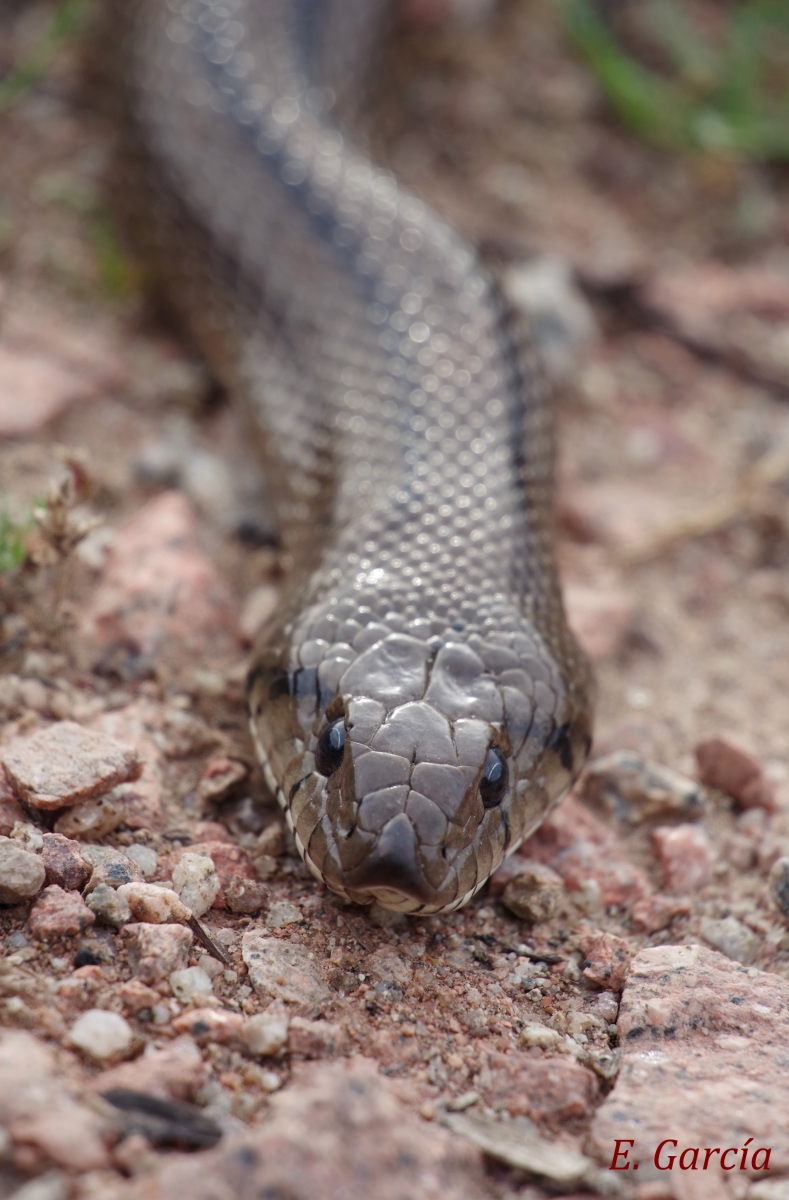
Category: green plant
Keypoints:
(12, 544)
(63, 24)
(725, 95)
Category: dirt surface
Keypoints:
(501, 1020)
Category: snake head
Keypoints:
(409, 768)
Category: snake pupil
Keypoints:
(494, 780)
(329, 751)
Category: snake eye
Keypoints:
(495, 777)
(329, 751)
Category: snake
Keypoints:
(417, 702)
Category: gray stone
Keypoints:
(190, 982)
(732, 938)
(518, 1144)
(145, 857)
(283, 970)
(22, 874)
(196, 882)
(65, 764)
(109, 905)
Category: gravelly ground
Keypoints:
(480, 1011)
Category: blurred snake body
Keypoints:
(417, 702)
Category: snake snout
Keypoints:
(392, 873)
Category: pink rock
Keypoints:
(155, 951)
(63, 862)
(137, 724)
(78, 991)
(704, 1041)
(608, 958)
(725, 765)
(579, 847)
(658, 911)
(599, 616)
(58, 914)
(136, 996)
(209, 1025)
(159, 591)
(40, 1111)
(220, 775)
(337, 1131)
(174, 1073)
(65, 764)
(315, 1039)
(551, 1090)
(246, 895)
(616, 513)
(46, 366)
(686, 856)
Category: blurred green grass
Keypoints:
(725, 96)
(12, 544)
(65, 21)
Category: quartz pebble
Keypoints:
(59, 914)
(210, 1025)
(155, 951)
(732, 938)
(109, 905)
(22, 874)
(145, 857)
(281, 913)
(686, 856)
(725, 765)
(190, 982)
(534, 894)
(92, 818)
(65, 764)
(229, 859)
(283, 970)
(265, 1035)
(628, 787)
(539, 1035)
(102, 1035)
(196, 882)
(154, 904)
(63, 862)
(28, 836)
(703, 1043)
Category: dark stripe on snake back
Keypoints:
(417, 702)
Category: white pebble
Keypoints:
(29, 836)
(153, 904)
(145, 857)
(21, 873)
(101, 1034)
(265, 1034)
(282, 912)
(185, 984)
(196, 882)
(539, 1035)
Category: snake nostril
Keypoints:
(330, 748)
(495, 778)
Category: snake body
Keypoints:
(417, 702)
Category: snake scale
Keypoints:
(417, 702)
